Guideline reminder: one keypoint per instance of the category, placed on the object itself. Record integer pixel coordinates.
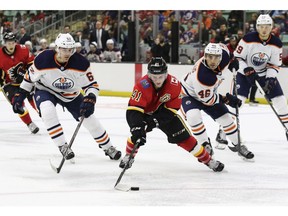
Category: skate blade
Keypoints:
(220, 146)
(248, 160)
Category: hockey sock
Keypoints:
(50, 120)
(198, 128)
(25, 117)
(196, 149)
(129, 147)
(281, 107)
(97, 131)
(229, 127)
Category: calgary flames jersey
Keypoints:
(65, 81)
(146, 99)
(18, 62)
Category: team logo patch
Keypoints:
(259, 58)
(188, 102)
(165, 98)
(63, 83)
(145, 83)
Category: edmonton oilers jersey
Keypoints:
(65, 81)
(259, 54)
(202, 82)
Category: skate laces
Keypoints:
(111, 151)
(212, 164)
(244, 150)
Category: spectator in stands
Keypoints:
(279, 18)
(52, 46)
(240, 34)
(80, 49)
(24, 21)
(222, 35)
(205, 35)
(235, 21)
(67, 29)
(218, 21)
(23, 36)
(190, 34)
(86, 35)
(111, 54)
(99, 35)
(161, 48)
(29, 45)
(124, 49)
(206, 19)
(166, 32)
(233, 42)
(251, 24)
(95, 54)
(43, 45)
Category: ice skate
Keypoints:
(113, 153)
(245, 153)
(33, 127)
(215, 165)
(66, 152)
(124, 161)
(221, 140)
(208, 147)
(253, 102)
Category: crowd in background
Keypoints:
(216, 26)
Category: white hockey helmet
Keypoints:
(264, 19)
(65, 40)
(212, 55)
(213, 49)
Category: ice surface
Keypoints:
(167, 175)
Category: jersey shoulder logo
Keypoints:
(145, 84)
(63, 83)
(259, 58)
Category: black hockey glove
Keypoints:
(251, 75)
(16, 74)
(88, 105)
(270, 83)
(234, 64)
(17, 101)
(231, 100)
(138, 135)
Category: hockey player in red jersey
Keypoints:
(58, 77)
(15, 59)
(200, 90)
(154, 103)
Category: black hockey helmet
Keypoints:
(9, 36)
(157, 65)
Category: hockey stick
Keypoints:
(58, 169)
(126, 188)
(270, 103)
(2, 89)
(236, 148)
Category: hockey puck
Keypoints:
(135, 188)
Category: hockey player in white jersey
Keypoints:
(260, 56)
(58, 77)
(200, 93)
